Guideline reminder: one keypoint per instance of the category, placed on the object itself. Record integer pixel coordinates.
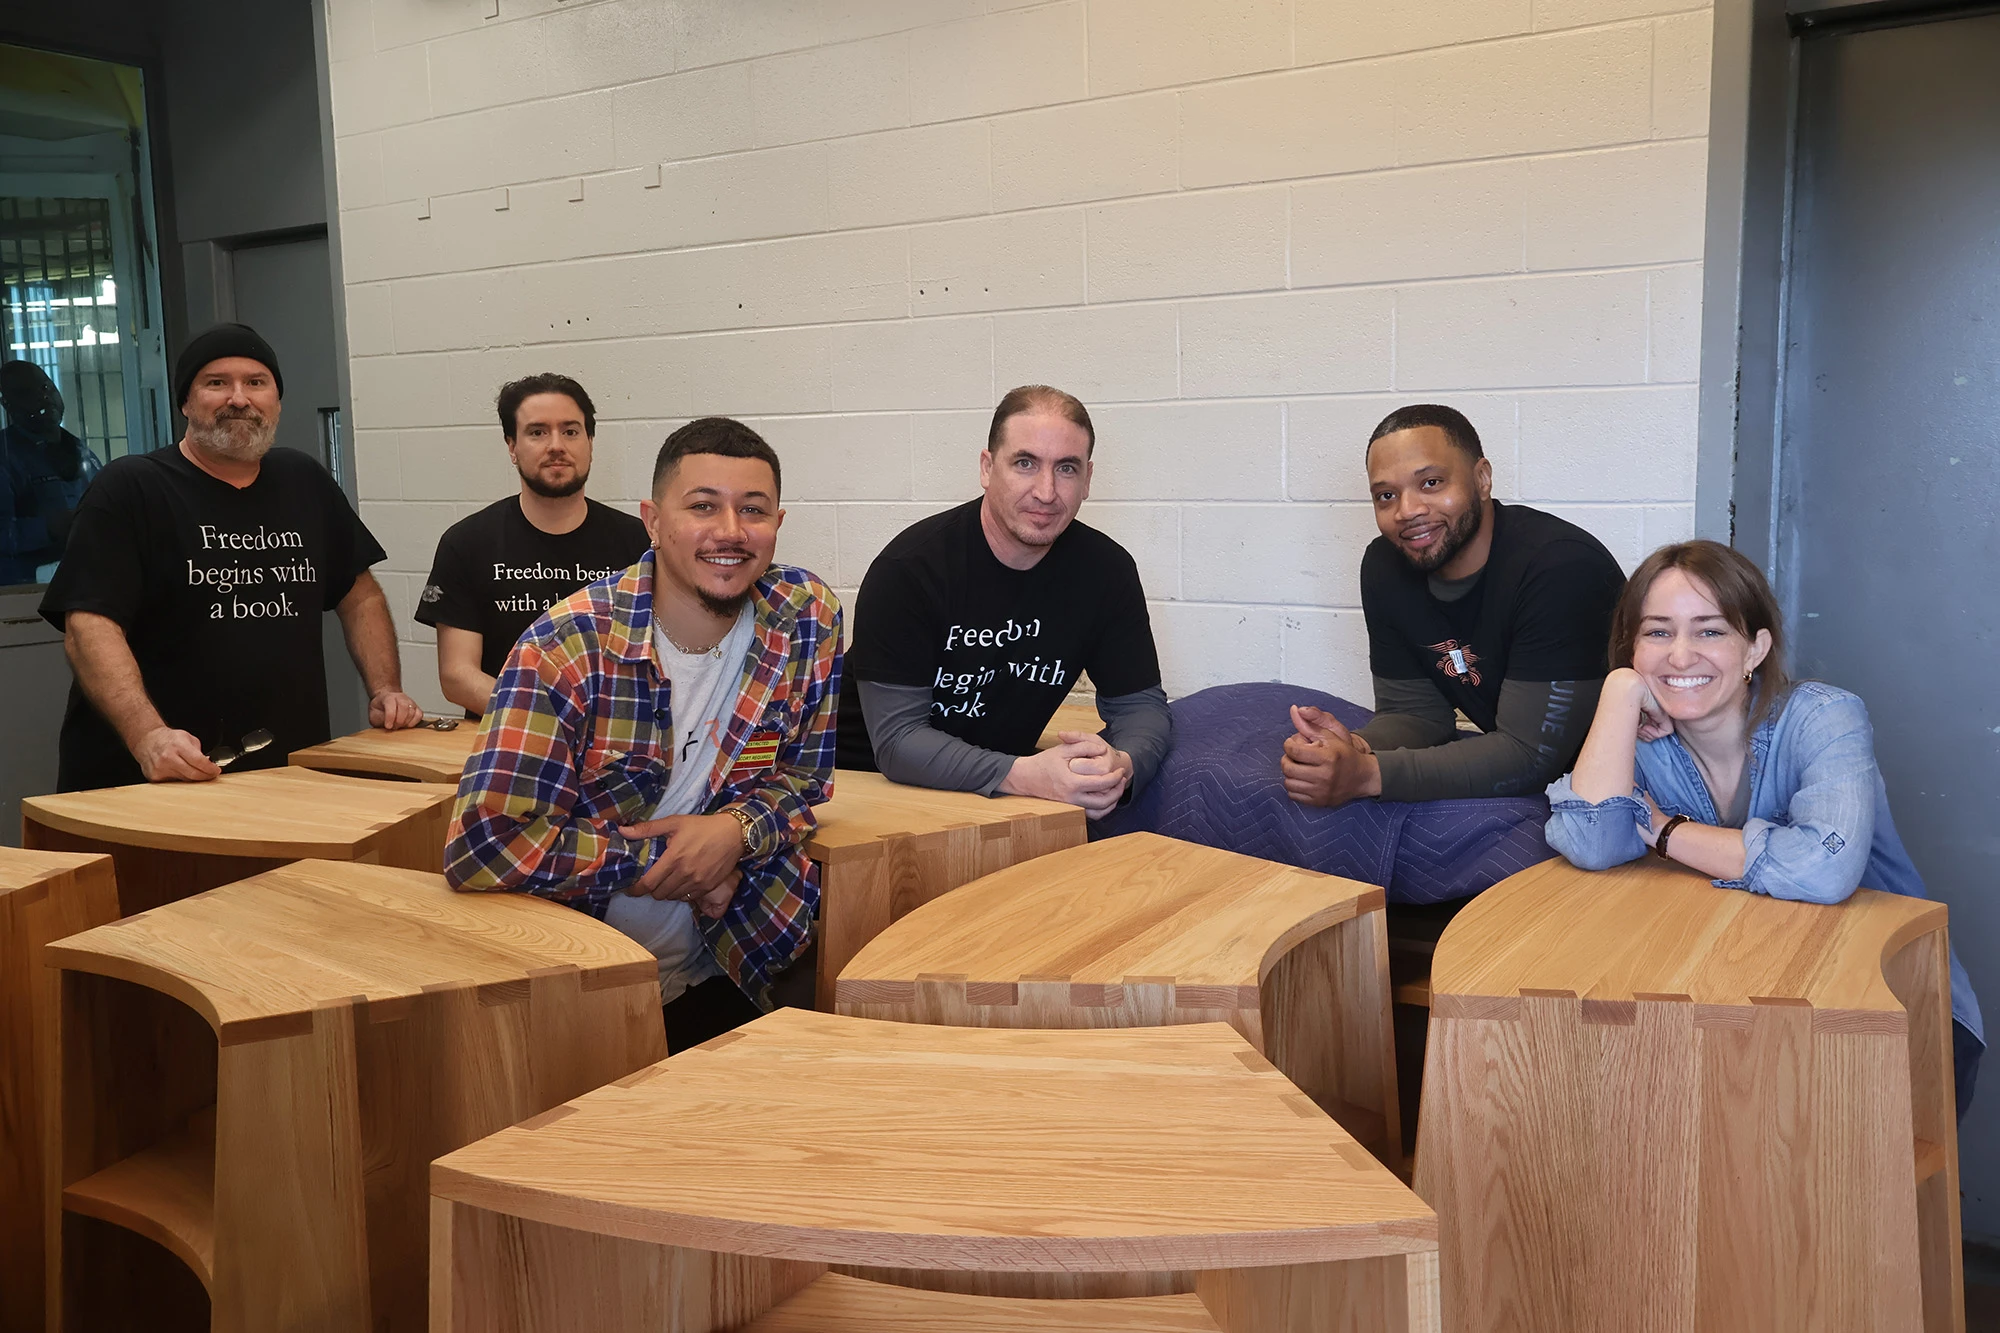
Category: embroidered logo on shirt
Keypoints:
(1458, 662)
(1833, 842)
(431, 593)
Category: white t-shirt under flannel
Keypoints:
(703, 696)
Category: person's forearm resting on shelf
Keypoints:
(1605, 772)
(1083, 770)
(1403, 755)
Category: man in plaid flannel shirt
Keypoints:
(682, 821)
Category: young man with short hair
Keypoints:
(973, 625)
(1496, 611)
(496, 571)
(657, 741)
(191, 591)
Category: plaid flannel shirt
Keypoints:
(577, 740)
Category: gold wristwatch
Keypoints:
(742, 818)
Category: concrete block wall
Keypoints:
(1240, 230)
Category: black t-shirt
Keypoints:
(1541, 611)
(495, 572)
(998, 648)
(219, 591)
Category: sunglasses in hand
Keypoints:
(222, 756)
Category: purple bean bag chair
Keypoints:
(1220, 786)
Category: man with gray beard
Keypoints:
(191, 592)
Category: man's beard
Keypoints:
(1456, 534)
(240, 437)
(724, 606)
(533, 481)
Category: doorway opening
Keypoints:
(81, 365)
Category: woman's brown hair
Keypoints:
(1741, 593)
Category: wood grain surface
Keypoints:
(258, 1078)
(867, 807)
(1143, 930)
(317, 932)
(1138, 908)
(837, 1304)
(884, 849)
(417, 754)
(1653, 1104)
(1654, 929)
(955, 1148)
(43, 896)
(288, 813)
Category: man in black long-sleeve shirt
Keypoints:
(1499, 612)
(972, 626)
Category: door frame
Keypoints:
(1740, 486)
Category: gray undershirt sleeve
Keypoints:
(1142, 725)
(1541, 726)
(908, 749)
(1409, 715)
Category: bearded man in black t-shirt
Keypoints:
(1501, 613)
(973, 625)
(190, 596)
(496, 571)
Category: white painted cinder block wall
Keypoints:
(1240, 230)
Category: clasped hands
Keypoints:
(1325, 763)
(1083, 770)
(698, 864)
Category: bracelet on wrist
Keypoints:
(1666, 831)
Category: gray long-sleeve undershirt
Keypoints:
(908, 749)
(1540, 729)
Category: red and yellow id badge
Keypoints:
(759, 756)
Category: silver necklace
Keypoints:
(714, 650)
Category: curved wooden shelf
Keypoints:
(252, 955)
(43, 896)
(285, 813)
(1754, 1094)
(416, 754)
(837, 1304)
(166, 1194)
(955, 1148)
(1142, 930)
(867, 808)
(1660, 931)
(1137, 910)
(884, 849)
(348, 1023)
(1150, 1160)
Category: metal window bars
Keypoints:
(59, 309)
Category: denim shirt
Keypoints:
(1818, 827)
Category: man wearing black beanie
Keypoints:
(191, 595)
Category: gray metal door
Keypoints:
(1890, 464)
(284, 290)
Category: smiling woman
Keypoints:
(1704, 751)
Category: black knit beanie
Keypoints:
(221, 341)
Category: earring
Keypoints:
(1748, 676)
